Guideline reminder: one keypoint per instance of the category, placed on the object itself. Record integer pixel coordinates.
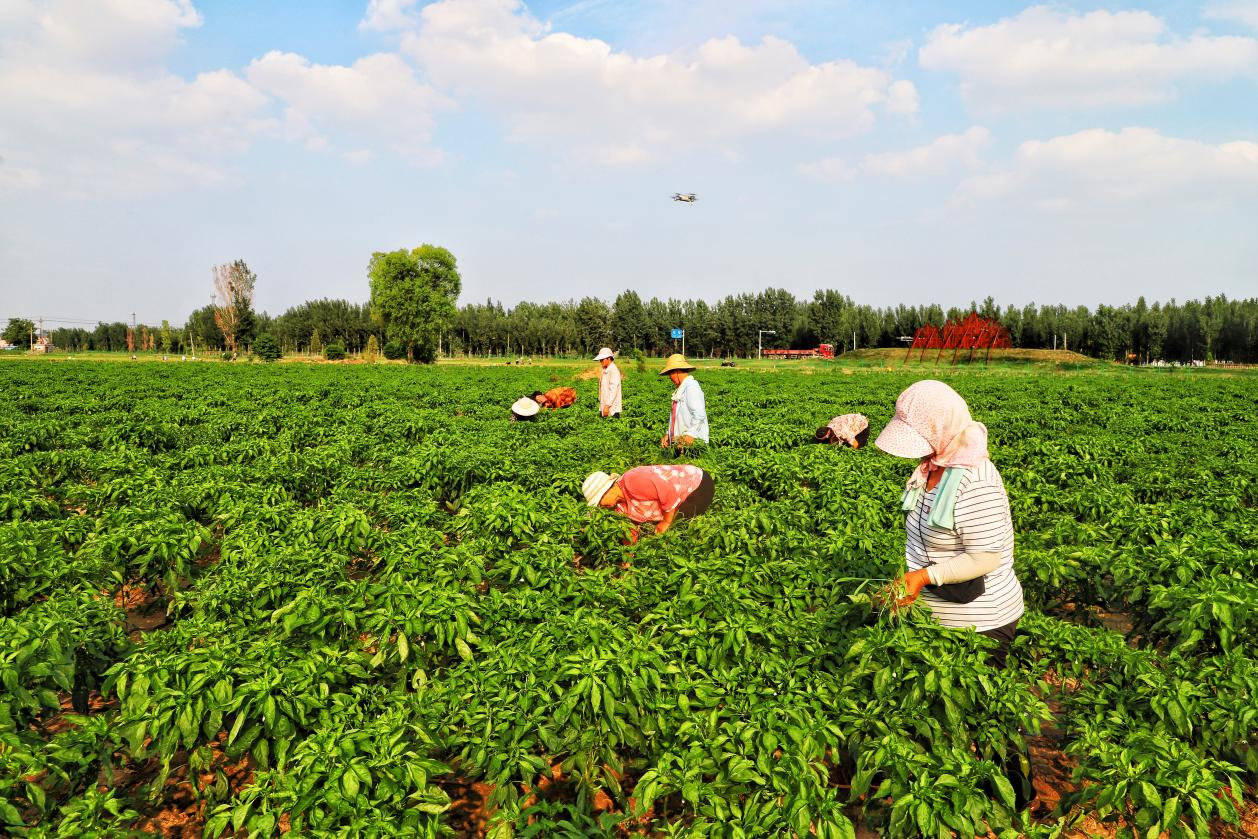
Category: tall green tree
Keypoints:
(414, 295)
(164, 337)
(18, 331)
(594, 324)
(202, 327)
(630, 329)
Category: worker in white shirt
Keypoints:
(608, 384)
(689, 419)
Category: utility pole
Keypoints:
(853, 339)
(760, 342)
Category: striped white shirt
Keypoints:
(983, 525)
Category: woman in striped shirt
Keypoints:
(959, 548)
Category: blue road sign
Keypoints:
(678, 334)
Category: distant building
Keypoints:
(42, 344)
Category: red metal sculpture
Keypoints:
(972, 333)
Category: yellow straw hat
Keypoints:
(676, 363)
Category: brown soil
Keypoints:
(210, 557)
(469, 811)
(1247, 827)
(145, 611)
(181, 813)
(96, 704)
(1116, 621)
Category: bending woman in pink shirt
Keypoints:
(656, 495)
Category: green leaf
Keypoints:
(37, 796)
(465, 652)
(349, 783)
(802, 821)
(1005, 790)
(240, 721)
(9, 813)
(432, 808)
(403, 646)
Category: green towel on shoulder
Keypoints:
(943, 513)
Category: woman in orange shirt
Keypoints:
(652, 494)
(559, 397)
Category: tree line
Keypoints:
(412, 313)
(1213, 328)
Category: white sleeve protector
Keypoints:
(963, 567)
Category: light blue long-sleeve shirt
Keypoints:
(690, 412)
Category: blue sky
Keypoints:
(900, 152)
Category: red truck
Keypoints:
(823, 351)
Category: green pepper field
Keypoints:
(346, 600)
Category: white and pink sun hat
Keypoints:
(929, 415)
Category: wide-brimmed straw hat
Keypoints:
(596, 485)
(605, 352)
(525, 408)
(676, 363)
(899, 437)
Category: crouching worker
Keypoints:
(847, 430)
(524, 409)
(557, 397)
(656, 495)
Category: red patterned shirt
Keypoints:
(561, 397)
(652, 492)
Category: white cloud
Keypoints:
(941, 155)
(100, 33)
(90, 106)
(1239, 11)
(388, 15)
(897, 52)
(378, 97)
(1102, 167)
(619, 108)
(902, 98)
(1049, 57)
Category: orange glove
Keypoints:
(914, 582)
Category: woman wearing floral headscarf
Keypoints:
(959, 549)
(847, 430)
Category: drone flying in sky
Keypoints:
(685, 197)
